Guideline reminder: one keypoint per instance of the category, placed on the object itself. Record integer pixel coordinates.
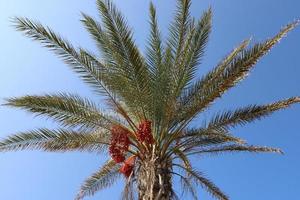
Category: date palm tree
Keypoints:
(144, 122)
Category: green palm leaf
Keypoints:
(248, 114)
(208, 185)
(129, 61)
(179, 28)
(160, 75)
(113, 75)
(129, 189)
(188, 187)
(194, 138)
(103, 178)
(204, 91)
(69, 110)
(212, 75)
(236, 148)
(194, 50)
(56, 140)
(78, 60)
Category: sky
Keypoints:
(27, 68)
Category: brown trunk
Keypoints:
(154, 179)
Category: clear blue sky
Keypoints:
(27, 68)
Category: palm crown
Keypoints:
(153, 98)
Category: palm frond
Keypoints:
(236, 148)
(91, 70)
(194, 50)
(204, 91)
(95, 30)
(192, 138)
(159, 77)
(227, 60)
(154, 49)
(196, 138)
(187, 94)
(174, 195)
(182, 156)
(56, 140)
(114, 76)
(160, 73)
(166, 89)
(206, 184)
(77, 60)
(69, 110)
(130, 61)
(248, 114)
(186, 185)
(179, 28)
(110, 81)
(206, 132)
(106, 176)
(129, 189)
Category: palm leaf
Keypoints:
(56, 140)
(89, 68)
(236, 148)
(199, 138)
(204, 92)
(159, 72)
(187, 94)
(130, 62)
(114, 76)
(129, 192)
(106, 176)
(69, 110)
(179, 28)
(78, 60)
(154, 49)
(193, 138)
(194, 50)
(208, 185)
(248, 114)
(186, 185)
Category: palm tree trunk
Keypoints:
(154, 180)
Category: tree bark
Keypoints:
(154, 179)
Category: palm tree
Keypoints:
(149, 103)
